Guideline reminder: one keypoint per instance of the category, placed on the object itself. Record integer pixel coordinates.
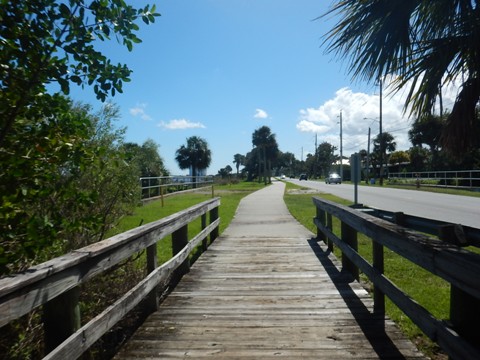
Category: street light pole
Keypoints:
(341, 147)
(368, 157)
(381, 137)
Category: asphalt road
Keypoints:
(456, 209)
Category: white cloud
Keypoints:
(181, 124)
(260, 114)
(139, 111)
(355, 107)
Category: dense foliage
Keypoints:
(58, 159)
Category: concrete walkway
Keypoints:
(266, 290)
(264, 214)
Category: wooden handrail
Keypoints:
(457, 266)
(21, 293)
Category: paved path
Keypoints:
(266, 290)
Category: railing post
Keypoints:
(61, 318)
(320, 215)
(330, 227)
(378, 264)
(349, 236)
(204, 225)
(161, 196)
(464, 308)
(213, 217)
(179, 241)
(152, 263)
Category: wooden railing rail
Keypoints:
(60, 277)
(459, 337)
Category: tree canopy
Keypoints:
(46, 42)
(195, 155)
(423, 45)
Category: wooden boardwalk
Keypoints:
(267, 298)
(266, 290)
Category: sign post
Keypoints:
(356, 176)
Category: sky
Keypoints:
(220, 69)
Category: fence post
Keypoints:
(152, 263)
(330, 227)
(213, 217)
(61, 318)
(179, 241)
(349, 236)
(464, 308)
(204, 225)
(378, 264)
(320, 215)
(161, 196)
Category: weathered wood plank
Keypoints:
(267, 298)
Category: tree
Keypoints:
(147, 158)
(428, 131)
(424, 45)
(64, 185)
(326, 157)
(195, 155)
(54, 42)
(285, 163)
(388, 144)
(238, 159)
(418, 158)
(265, 141)
(226, 171)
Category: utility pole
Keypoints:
(341, 147)
(368, 156)
(381, 137)
(316, 158)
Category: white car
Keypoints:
(333, 179)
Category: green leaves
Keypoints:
(45, 41)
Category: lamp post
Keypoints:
(341, 147)
(381, 136)
(368, 144)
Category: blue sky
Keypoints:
(220, 69)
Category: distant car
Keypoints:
(303, 177)
(333, 179)
(283, 177)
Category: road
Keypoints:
(456, 209)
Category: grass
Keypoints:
(428, 290)
(230, 195)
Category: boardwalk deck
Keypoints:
(252, 296)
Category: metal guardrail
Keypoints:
(153, 187)
(460, 178)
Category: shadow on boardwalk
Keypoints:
(373, 327)
(267, 290)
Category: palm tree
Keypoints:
(424, 44)
(238, 159)
(263, 139)
(195, 155)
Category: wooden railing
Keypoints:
(459, 337)
(54, 284)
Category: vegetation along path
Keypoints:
(266, 289)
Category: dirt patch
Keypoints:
(303, 192)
